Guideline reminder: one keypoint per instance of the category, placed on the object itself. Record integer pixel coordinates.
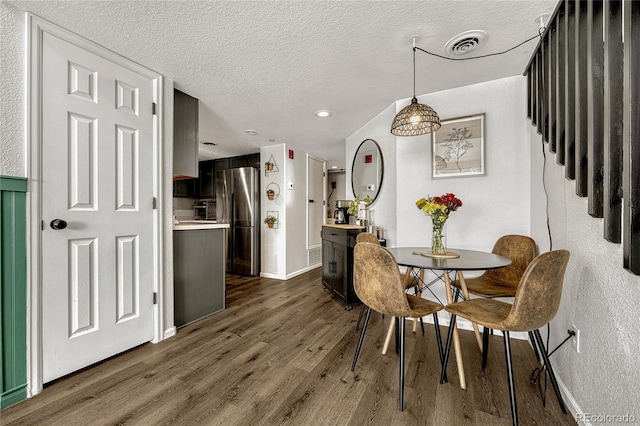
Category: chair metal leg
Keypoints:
(401, 366)
(364, 330)
(485, 346)
(422, 325)
(456, 295)
(438, 337)
(552, 375)
(452, 326)
(360, 316)
(534, 345)
(512, 389)
(397, 335)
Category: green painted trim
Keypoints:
(12, 396)
(13, 183)
(13, 290)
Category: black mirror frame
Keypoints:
(353, 164)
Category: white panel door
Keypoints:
(315, 182)
(97, 176)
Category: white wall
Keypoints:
(382, 212)
(296, 225)
(493, 205)
(273, 256)
(12, 92)
(284, 249)
(599, 296)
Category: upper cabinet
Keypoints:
(185, 135)
(206, 179)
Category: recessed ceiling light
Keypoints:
(334, 167)
(251, 132)
(323, 113)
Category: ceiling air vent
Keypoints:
(465, 43)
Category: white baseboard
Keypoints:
(302, 271)
(274, 276)
(291, 275)
(570, 402)
(169, 332)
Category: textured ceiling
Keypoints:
(269, 65)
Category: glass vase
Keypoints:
(439, 239)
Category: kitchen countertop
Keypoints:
(187, 225)
(344, 226)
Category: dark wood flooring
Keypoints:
(281, 354)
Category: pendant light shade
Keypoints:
(415, 119)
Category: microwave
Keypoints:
(204, 210)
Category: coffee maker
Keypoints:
(340, 214)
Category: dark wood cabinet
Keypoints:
(253, 160)
(337, 261)
(206, 179)
(206, 186)
(185, 188)
(185, 135)
(199, 273)
(237, 162)
(222, 164)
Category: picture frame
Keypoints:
(458, 147)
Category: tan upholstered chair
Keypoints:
(377, 282)
(365, 237)
(368, 237)
(503, 282)
(535, 304)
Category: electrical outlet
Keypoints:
(575, 339)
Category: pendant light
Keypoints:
(415, 119)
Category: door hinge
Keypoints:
(154, 203)
(153, 108)
(155, 298)
(323, 174)
(42, 225)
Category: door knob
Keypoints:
(58, 224)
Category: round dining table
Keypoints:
(421, 258)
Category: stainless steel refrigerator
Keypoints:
(238, 204)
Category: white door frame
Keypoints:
(35, 27)
(324, 195)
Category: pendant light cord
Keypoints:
(539, 35)
(414, 68)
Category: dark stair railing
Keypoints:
(584, 99)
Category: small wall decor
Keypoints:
(272, 219)
(273, 191)
(458, 147)
(270, 166)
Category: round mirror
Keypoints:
(367, 170)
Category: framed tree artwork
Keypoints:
(458, 147)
